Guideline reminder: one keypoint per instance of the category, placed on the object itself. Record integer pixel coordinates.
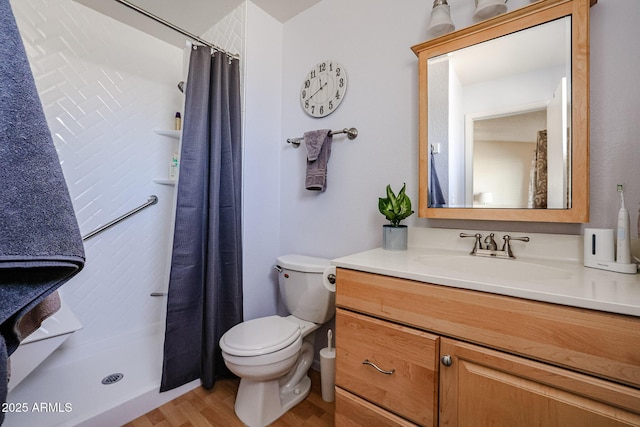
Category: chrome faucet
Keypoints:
(506, 247)
(491, 247)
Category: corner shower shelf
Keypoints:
(160, 181)
(170, 133)
(175, 134)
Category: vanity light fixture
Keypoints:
(486, 9)
(485, 198)
(441, 22)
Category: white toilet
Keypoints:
(272, 355)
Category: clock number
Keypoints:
(337, 94)
(306, 104)
(330, 105)
(322, 109)
(338, 72)
(313, 109)
(304, 94)
(341, 84)
(307, 84)
(322, 67)
(312, 74)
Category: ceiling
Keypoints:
(194, 16)
(537, 48)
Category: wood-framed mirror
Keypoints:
(504, 117)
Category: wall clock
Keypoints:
(323, 88)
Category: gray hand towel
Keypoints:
(40, 243)
(318, 143)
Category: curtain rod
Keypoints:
(175, 28)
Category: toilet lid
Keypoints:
(259, 336)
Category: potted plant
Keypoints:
(395, 209)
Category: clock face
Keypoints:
(323, 88)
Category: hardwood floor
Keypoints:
(214, 408)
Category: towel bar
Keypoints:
(352, 133)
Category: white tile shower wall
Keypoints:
(105, 87)
(229, 32)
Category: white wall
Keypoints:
(615, 102)
(262, 144)
(105, 87)
(372, 39)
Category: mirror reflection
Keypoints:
(499, 122)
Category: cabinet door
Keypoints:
(483, 387)
(409, 358)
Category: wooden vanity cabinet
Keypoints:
(468, 358)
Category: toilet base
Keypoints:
(273, 404)
(292, 398)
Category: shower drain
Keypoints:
(112, 378)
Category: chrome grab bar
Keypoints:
(152, 200)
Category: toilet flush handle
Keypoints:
(277, 268)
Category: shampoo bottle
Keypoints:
(623, 246)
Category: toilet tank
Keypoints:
(302, 288)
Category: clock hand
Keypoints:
(322, 86)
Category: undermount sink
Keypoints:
(493, 268)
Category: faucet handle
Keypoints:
(507, 247)
(477, 245)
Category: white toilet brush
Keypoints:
(328, 370)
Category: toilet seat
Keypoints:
(260, 336)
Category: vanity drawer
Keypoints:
(352, 411)
(411, 390)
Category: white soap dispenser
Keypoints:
(623, 245)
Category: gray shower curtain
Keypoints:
(205, 284)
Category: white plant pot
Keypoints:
(394, 238)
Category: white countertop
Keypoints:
(560, 280)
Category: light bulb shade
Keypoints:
(440, 22)
(485, 198)
(486, 9)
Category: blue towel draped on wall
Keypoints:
(40, 243)
(436, 198)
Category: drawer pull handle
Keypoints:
(382, 371)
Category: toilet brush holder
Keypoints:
(328, 370)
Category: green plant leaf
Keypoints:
(395, 208)
(392, 198)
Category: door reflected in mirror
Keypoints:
(500, 111)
